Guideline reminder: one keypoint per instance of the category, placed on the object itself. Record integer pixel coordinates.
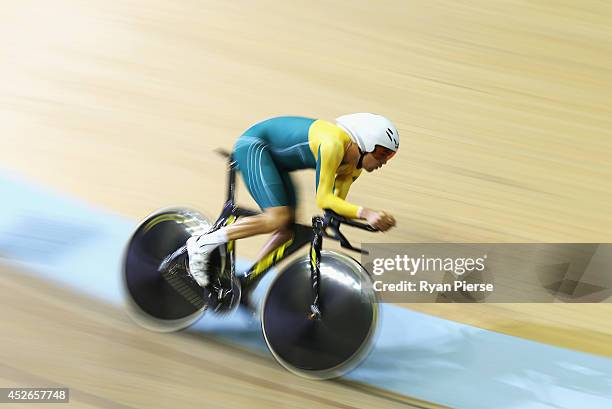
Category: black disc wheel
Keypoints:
(167, 300)
(341, 338)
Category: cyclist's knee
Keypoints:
(279, 218)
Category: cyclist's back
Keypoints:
(287, 140)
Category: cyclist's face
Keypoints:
(377, 159)
(371, 163)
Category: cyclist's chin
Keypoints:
(371, 168)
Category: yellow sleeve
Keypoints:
(343, 184)
(330, 155)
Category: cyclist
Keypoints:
(266, 154)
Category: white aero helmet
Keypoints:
(369, 130)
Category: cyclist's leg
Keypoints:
(265, 184)
(274, 193)
(272, 219)
(283, 234)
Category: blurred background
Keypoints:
(112, 109)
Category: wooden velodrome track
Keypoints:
(504, 109)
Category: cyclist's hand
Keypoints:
(379, 220)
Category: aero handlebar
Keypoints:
(332, 221)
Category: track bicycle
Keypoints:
(318, 316)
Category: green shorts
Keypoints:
(269, 184)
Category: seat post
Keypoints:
(231, 183)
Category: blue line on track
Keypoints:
(79, 246)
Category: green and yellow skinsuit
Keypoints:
(268, 151)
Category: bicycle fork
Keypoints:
(315, 266)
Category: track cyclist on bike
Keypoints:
(266, 154)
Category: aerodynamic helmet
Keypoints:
(372, 133)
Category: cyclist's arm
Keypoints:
(343, 184)
(329, 158)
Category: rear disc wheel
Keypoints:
(171, 300)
